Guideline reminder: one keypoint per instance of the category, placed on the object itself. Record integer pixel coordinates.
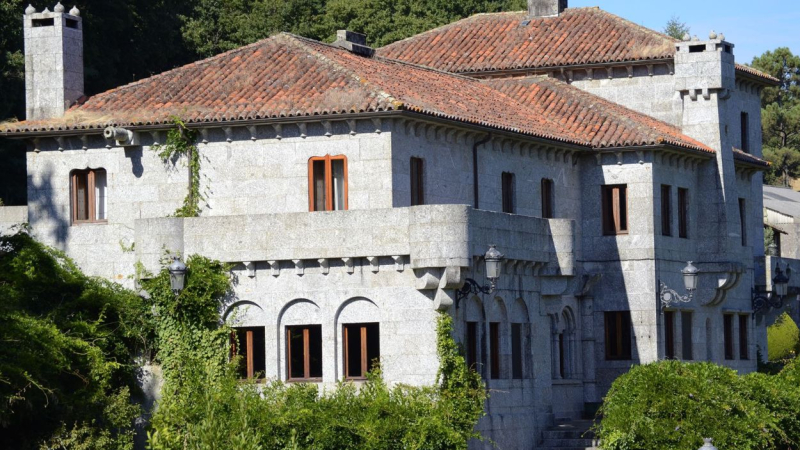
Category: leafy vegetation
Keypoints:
(674, 405)
(182, 142)
(205, 406)
(66, 363)
(783, 339)
(675, 28)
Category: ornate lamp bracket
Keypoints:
(471, 287)
(669, 296)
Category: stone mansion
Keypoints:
(356, 191)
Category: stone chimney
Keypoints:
(53, 61)
(354, 42)
(546, 8)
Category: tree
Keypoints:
(780, 114)
(676, 28)
(783, 339)
(68, 343)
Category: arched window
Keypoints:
(564, 345)
(327, 183)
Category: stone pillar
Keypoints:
(53, 61)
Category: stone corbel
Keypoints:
(253, 132)
(251, 268)
(706, 94)
(398, 263)
(452, 278)
(155, 136)
(328, 128)
(349, 264)
(352, 125)
(228, 134)
(444, 299)
(426, 279)
(726, 276)
(275, 268)
(378, 125)
(724, 94)
(204, 135)
(61, 144)
(374, 263)
(303, 129)
(324, 265)
(85, 142)
(299, 266)
(278, 131)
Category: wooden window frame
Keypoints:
(494, 352)
(687, 346)
(249, 345)
(743, 220)
(613, 209)
(669, 335)
(727, 325)
(328, 181)
(365, 362)
(91, 198)
(744, 351)
(306, 329)
(666, 210)
(683, 213)
(508, 186)
(622, 350)
(548, 198)
(417, 176)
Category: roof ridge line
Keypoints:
(368, 84)
(642, 27)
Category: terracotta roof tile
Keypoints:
(601, 122)
(743, 156)
(502, 41)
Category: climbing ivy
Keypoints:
(182, 141)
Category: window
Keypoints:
(472, 345)
(548, 199)
(743, 220)
(743, 350)
(728, 326)
(417, 182)
(561, 356)
(745, 132)
(249, 343)
(516, 351)
(669, 334)
(494, 331)
(327, 183)
(508, 192)
(683, 213)
(618, 335)
(615, 209)
(686, 335)
(304, 350)
(361, 350)
(666, 210)
(89, 196)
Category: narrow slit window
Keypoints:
(249, 343)
(618, 335)
(516, 351)
(471, 340)
(686, 336)
(728, 335)
(743, 338)
(327, 183)
(666, 210)
(304, 349)
(89, 199)
(743, 220)
(361, 350)
(745, 132)
(548, 199)
(494, 339)
(683, 213)
(508, 192)
(615, 209)
(417, 182)
(669, 334)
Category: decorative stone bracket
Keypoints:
(725, 276)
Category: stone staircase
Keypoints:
(572, 435)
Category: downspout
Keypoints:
(475, 146)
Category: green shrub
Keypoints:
(674, 405)
(783, 338)
(66, 362)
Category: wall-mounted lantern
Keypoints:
(494, 262)
(669, 296)
(773, 299)
(177, 275)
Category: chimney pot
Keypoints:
(546, 8)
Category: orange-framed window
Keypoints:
(89, 203)
(362, 350)
(250, 344)
(327, 183)
(304, 353)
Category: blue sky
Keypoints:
(752, 26)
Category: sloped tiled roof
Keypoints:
(603, 123)
(741, 155)
(757, 73)
(512, 40)
(289, 76)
